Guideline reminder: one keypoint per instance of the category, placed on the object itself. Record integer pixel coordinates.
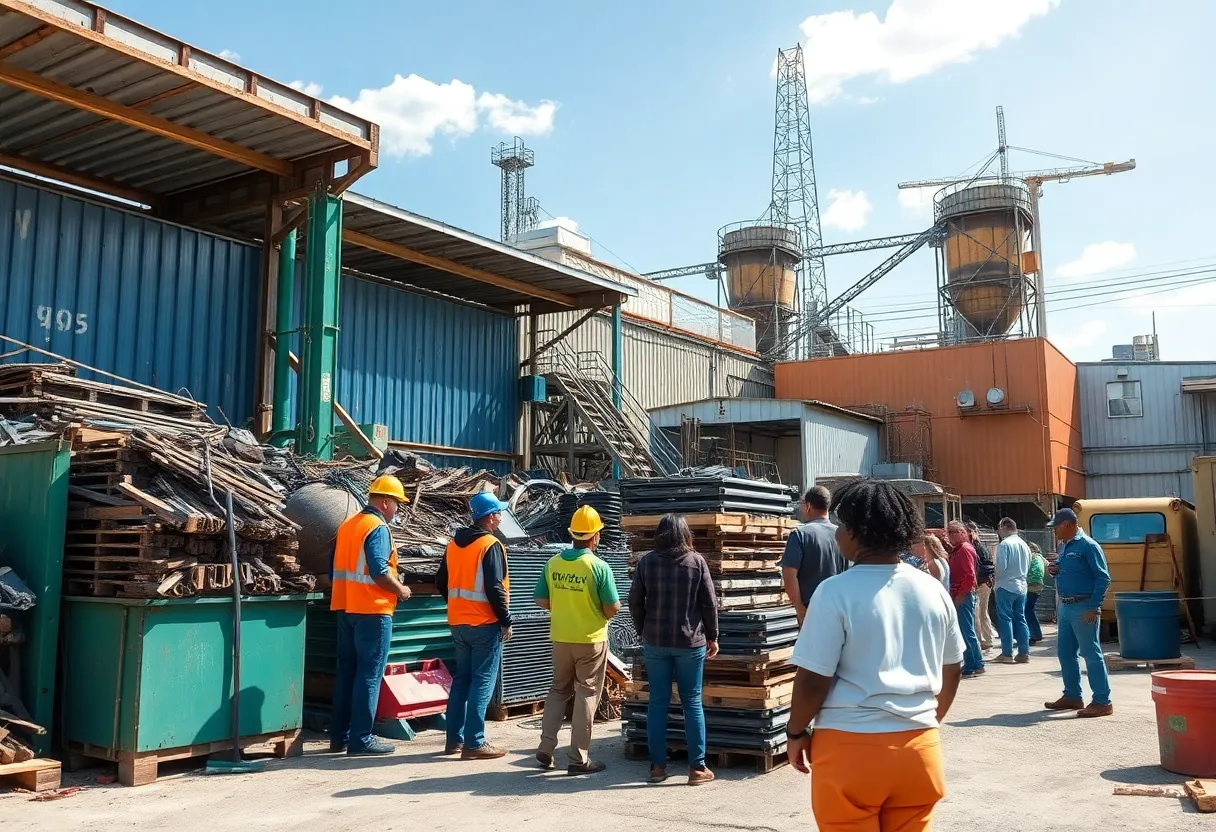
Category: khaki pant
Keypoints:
(983, 624)
(578, 671)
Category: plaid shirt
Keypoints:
(672, 600)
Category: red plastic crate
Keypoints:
(407, 693)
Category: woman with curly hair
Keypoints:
(879, 662)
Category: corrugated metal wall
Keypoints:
(153, 302)
(833, 443)
(436, 373)
(661, 367)
(1149, 455)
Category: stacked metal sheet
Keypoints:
(715, 493)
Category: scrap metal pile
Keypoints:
(702, 490)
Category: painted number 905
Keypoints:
(63, 320)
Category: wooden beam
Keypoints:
(401, 252)
(80, 180)
(37, 36)
(100, 106)
(142, 104)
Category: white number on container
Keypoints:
(63, 320)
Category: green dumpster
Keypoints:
(153, 678)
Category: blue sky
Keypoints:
(652, 124)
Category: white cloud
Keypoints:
(412, 111)
(309, 88)
(912, 39)
(919, 201)
(1098, 258)
(559, 222)
(1075, 339)
(229, 55)
(846, 210)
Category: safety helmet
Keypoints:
(484, 503)
(387, 485)
(585, 523)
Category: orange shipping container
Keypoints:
(1026, 447)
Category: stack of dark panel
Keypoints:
(527, 661)
(747, 689)
(712, 493)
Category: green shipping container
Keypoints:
(145, 675)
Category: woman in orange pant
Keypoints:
(879, 661)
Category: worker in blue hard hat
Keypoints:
(364, 597)
(473, 576)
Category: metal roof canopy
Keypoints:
(101, 102)
(403, 247)
(768, 410)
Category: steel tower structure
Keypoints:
(795, 193)
(518, 213)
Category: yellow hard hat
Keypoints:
(586, 522)
(388, 486)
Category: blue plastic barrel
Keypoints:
(1149, 627)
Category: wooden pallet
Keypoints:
(762, 761)
(744, 523)
(516, 710)
(33, 775)
(139, 768)
(1202, 794)
(1116, 662)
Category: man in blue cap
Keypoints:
(473, 576)
(1081, 583)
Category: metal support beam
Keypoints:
(22, 43)
(80, 180)
(284, 323)
(267, 323)
(618, 370)
(536, 351)
(100, 106)
(319, 335)
(357, 238)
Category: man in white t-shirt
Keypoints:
(880, 659)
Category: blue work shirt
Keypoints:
(1083, 572)
(377, 548)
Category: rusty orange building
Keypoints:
(999, 422)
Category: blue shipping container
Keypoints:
(153, 302)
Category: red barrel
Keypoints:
(1186, 721)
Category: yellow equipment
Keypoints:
(388, 486)
(586, 523)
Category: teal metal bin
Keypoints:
(147, 676)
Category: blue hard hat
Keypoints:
(1064, 515)
(485, 503)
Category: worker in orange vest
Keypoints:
(473, 576)
(364, 597)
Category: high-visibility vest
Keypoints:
(467, 599)
(354, 588)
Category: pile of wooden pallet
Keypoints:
(748, 687)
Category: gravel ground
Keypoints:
(1010, 767)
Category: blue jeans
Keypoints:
(1032, 617)
(478, 655)
(362, 653)
(1011, 621)
(685, 665)
(1076, 637)
(973, 657)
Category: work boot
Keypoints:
(589, 767)
(485, 752)
(372, 748)
(657, 774)
(700, 775)
(1065, 703)
(545, 759)
(1022, 658)
(1093, 709)
(1003, 659)
(337, 746)
(452, 750)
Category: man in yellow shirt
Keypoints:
(578, 590)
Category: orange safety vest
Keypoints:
(354, 589)
(467, 599)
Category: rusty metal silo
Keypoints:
(762, 276)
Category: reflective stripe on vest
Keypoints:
(354, 588)
(468, 602)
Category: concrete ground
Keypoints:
(1010, 766)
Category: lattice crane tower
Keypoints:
(518, 213)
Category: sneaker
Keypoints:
(1093, 709)
(657, 774)
(485, 752)
(589, 767)
(545, 759)
(1064, 703)
(452, 750)
(969, 674)
(337, 746)
(1035, 641)
(700, 776)
(1003, 659)
(1022, 658)
(980, 671)
(374, 747)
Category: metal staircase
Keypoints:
(625, 434)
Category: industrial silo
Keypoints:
(762, 276)
(986, 254)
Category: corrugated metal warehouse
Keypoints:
(1142, 423)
